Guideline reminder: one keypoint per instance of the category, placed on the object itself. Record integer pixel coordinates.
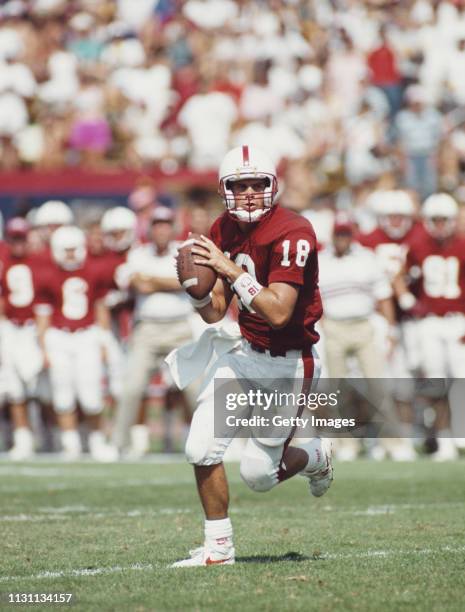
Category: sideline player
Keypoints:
(271, 266)
(20, 353)
(69, 313)
(436, 272)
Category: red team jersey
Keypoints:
(392, 252)
(18, 288)
(279, 249)
(71, 294)
(439, 269)
(108, 266)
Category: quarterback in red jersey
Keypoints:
(21, 357)
(70, 316)
(266, 256)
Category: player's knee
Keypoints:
(203, 452)
(259, 475)
(260, 465)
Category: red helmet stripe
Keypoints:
(245, 155)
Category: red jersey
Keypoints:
(71, 295)
(18, 288)
(105, 266)
(439, 269)
(279, 249)
(109, 267)
(4, 252)
(392, 252)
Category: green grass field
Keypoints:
(386, 537)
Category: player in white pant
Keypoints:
(436, 269)
(280, 304)
(20, 355)
(69, 307)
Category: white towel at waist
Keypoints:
(192, 360)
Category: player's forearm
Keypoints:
(211, 313)
(212, 308)
(42, 324)
(148, 284)
(404, 296)
(270, 307)
(386, 309)
(102, 315)
(275, 304)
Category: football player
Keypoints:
(395, 213)
(266, 256)
(436, 269)
(21, 355)
(69, 312)
(119, 234)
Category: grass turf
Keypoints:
(386, 537)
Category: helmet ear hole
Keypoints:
(268, 181)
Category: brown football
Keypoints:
(197, 280)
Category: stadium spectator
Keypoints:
(419, 132)
(385, 74)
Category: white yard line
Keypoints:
(391, 553)
(95, 571)
(157, 458)
(70, 512)
(30, 518)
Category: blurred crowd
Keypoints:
(343, 92)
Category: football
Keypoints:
(197, 280)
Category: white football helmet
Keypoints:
(395, 213)
(68, 246)
(440, 212)
(119, 227)
(53, 212)
(247, 162)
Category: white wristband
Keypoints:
(247, 288)
(197, 304)
(407, 301)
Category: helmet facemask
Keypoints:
(396, 225)
(446, 230)
(238, 204)
(119, 240)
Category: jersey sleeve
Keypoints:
(215, 233)
(292, 254)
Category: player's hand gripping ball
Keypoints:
(197, 280)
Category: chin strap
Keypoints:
(243, 215)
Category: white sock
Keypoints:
(445, 439)
(218, 533)
(316, 457)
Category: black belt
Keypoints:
(273, 353)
